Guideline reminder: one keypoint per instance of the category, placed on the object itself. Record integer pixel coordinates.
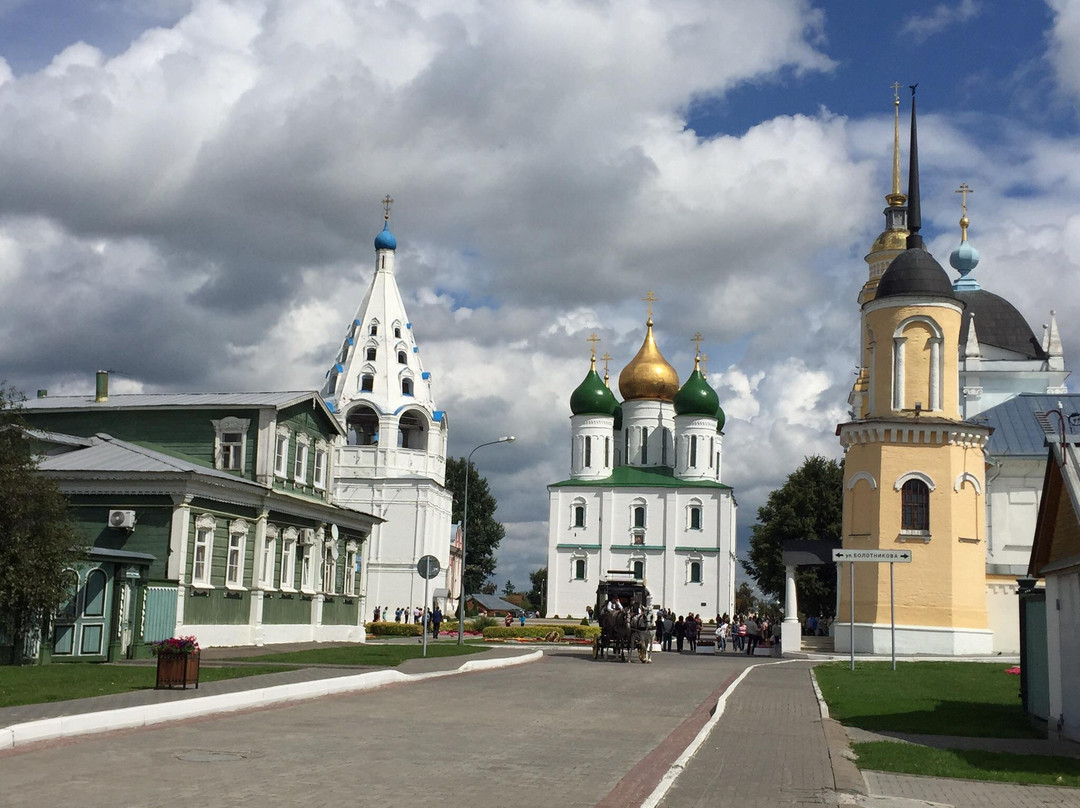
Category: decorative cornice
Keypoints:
(914, 433)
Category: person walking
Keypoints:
(753, 635)
(436, 621)
(660, 629)
(691, 632)
(669, 631)
(680, 633)
(722, 629)
(740, 635)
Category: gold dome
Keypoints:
(890, 240)
(648, 376)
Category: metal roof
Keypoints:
(494, 603)
(143, 400)
(1016, 430)
(998, 323)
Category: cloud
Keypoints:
(940, 18)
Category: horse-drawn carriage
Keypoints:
(624, 627)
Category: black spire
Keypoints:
(914, 217)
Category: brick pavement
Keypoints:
(968, 793)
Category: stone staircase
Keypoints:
(817, 645)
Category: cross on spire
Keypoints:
(704, 358)
(650, 298)
(964, 190)
(607, 358)
(697, 339)
(593, 339)
(387, 202)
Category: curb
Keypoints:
(69, 726)
(847, 777)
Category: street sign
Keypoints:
(428, 566)
(879, 556)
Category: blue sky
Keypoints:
(218, 167)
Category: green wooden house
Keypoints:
(209, 514)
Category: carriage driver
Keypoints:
(613, 604)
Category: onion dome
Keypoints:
(592, 396)
(385, 240)
(721, 419)
(648, 376)
(965, 257)
(696, 397)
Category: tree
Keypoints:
(483, 533)
(508, 588)
(538, 593)
(37, 537)
(744, 599)
(809, 505)
(487, 588)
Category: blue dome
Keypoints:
(385, 240)
(964, 258)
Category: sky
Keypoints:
(190, 191)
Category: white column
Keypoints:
(790, 629)
(178, 545)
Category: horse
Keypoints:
(641, 634)
(614, 632)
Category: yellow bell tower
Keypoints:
(913, 468)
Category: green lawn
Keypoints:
(976, 699)
(968, 764)
(389, 655)
(44, 683)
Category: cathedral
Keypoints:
(393, 461)
(644, 500)
(949, 376)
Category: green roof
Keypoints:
(635, 477)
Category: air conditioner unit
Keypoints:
(122, 519)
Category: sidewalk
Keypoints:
(40, 722)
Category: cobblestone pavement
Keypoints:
(968, 793)
(767, 749)
(565, 731)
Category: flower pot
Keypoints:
(177, 670)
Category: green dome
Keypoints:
(592, 397)
(696, 397)
(720, 419)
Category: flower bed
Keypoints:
(521, 632)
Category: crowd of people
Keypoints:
(743, 632)
(431, 620)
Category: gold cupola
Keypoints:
(649, 376)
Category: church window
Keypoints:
(410, 431)
(301, 458)
(639, 516)
(288, 559)
(203, 551)
(374, 330)
(712, 450)
(639, 570)
(695, 517)
(607, 452)
(693, 450)
(588, 451)
(266, 572)
(579, 516)
(397, 331)
(281, 454)
(644, 445)
(695, 572)
(367, 383)
(406, 387)
(402, 358)
(915, 506)
(370, 354)
(579, 569)
(234, 559)
(362, 427)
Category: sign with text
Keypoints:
(878, 556)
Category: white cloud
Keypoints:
(940, 18)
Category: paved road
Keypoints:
(565, 731)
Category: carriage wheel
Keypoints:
(596, 648)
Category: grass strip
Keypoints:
(45, 683)
(968, 764)
(975, 699)
(390, 655)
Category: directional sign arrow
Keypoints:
(873, 556)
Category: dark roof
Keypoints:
(914, 272)
(494, 604)
(998, 323)
(1016, 431)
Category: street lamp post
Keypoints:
(464, 533)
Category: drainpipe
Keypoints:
(101, 395)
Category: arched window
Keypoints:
(579, 569)
(406, 387)
(374, 330)
(693, 450)
(665, 438)
(362, 426)
(588, 451)
(915, 506)
(695, 572)
(367, 382)
(370, 354)
(695, 517)
(402, 358)
(397, 331)
(639, 516)
(644, 445)
(410, 431)
(579, 514)
(639, 570)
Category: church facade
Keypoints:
(393, 460)
(644, 500)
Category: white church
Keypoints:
(393, 463)
(644, 500)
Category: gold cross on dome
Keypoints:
(593, 339)
(697, 339)
(607, 358)
(704, 359)
(964, 190)
(387, 202)
(896, 92)
(650, 298)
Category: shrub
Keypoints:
(508, 632)
(584, 621)
(481, 623)
(554, 617)
(586, 632)
(385, 629)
